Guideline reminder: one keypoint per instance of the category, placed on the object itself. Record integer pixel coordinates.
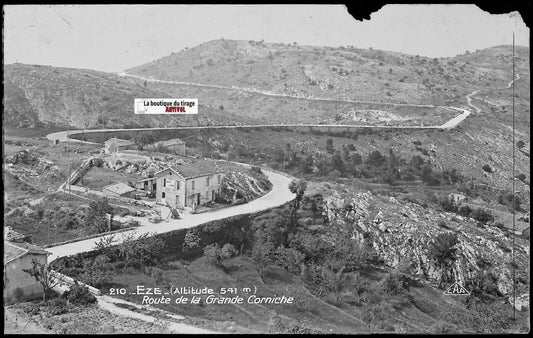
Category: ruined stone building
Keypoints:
(114, 145)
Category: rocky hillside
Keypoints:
(345, 73)
(41, 96)
(406, 234)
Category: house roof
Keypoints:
(13, 251)
(119, 188)
(146, 179)
(172, 142)
(119, 142)
(194, 169)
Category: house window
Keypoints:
(208, 181)
(164, 182)
(192, 185)
(162, 195)
(177, 185)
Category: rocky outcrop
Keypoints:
(243, 186)
(405, 233)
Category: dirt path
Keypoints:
(515, 79)
(18, 323)
(109, 304)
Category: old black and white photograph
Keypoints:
(265, 169)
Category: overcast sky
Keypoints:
(118, 37)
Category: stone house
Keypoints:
(114, 145)
(19, 285)
(188, 185)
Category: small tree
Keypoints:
(289, 258)
(142, 140)
(96, 215)
(43, 274)
(192, 240)
(329, 146)
(298, 188)
(443, 251)
(217, 254)
(262, 254)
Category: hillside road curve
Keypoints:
(279, 195)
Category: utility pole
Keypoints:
(513, 208)
(284, 153)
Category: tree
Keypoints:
(307, 164)
(372, 314)
(221, 107)
(217, 254)
(375, 159)
(262, 254)
(142, 140)
(96, 272)
(289, 258)
(520, 144)
(337, 163)
(44, 275)
(332, 280)
(96, 215)
(416, 162)
(143, 250)
(191, 240)
(329, 146)
(272, 227)
(298, 187)
(443, 251)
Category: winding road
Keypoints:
(279, 195)
(268, 93)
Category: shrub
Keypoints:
(80, 295)
(31, 309)
(56, 306)
(256, 169)
(464, 211)
(192, 240)
(448, 205)
(18, 294)
(442, 224)
(487, 168)
(217, 255)
(482, 216)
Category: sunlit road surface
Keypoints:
(279, 195)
